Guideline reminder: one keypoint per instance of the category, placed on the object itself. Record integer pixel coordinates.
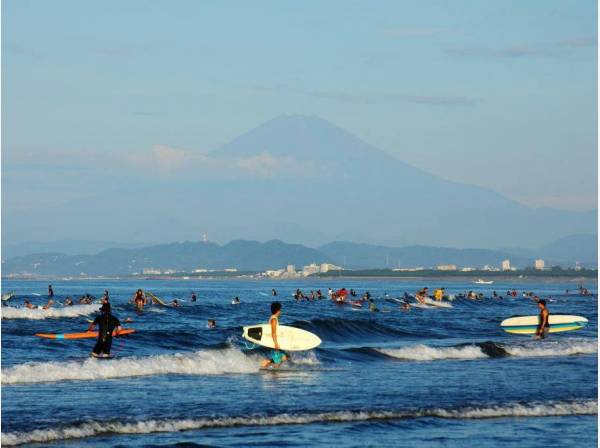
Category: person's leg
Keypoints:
(97, 348)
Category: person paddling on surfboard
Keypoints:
(277, 356)
(544, 325)
(107, 323)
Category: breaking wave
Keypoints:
(37, 314)
(422, 352)
(96, 428)
(204, 362)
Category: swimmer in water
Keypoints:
(211, 323)
(277, 356)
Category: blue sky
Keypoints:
(498, 94)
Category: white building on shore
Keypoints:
(539, 264)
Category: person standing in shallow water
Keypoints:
(544, 321)
(277, 356)
(107, 323)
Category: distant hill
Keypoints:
(66, 246)
(256, 256)
(582, 248)
(243, 255)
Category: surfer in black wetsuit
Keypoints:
(50, 291)
(107, 324)
(544, 325)
(194, 298)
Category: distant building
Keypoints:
(539, 264)
(326, 267)
(291, 269)
(446, 267)
(275, 273)
(468, 269)
(506, 265)
(310, 269)
(200, 270)
(151, 271)
(577, 266)
(230, 270)
(408, 269)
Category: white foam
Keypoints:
(564, 347)
(426, 353)
(95, 428)
(529, 349)
(9, 312)
(204, 362)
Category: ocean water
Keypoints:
(422, 378)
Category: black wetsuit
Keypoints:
(107, 324)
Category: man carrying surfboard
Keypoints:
(108, 323)
(277, 356)
(544, 325)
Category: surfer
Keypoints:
(273, 292)
(105, 297)
(544, 325)
(29, 305)
(277, 356)
(50, 291)
(193, 298)
(175, 303)
(107, 323)
(211, 323)
(139, 300)
(421, 295)
(235, 301)
(48, 305)
(372, 307)
(68, 301)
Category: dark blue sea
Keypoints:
(420, 378)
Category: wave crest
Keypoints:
(204, 362)
(421, 352)
(9, 312)
(95, 428)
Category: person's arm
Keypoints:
(274, 333)
(93, 324)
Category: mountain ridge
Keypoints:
(253, 256)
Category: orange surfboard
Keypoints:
(84, 335)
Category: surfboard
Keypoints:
(528, 324)
(289, 338)
(156, 300)
(84, 335)
(437, 303)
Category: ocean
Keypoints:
(420, 378)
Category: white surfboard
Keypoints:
(558, 323)
(289, 338)
(437, 303)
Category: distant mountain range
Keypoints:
(295, 178)
(255, 256)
